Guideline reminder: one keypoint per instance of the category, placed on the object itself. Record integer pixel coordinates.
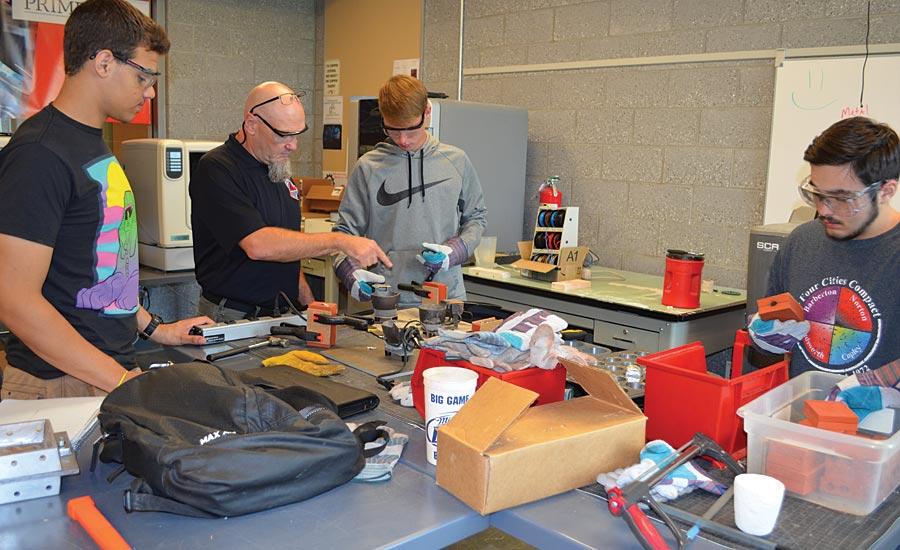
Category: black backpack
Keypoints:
(203, 441)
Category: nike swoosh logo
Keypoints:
(387, 199)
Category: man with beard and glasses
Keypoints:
(245, 214)
(842, 267)
(420, 199)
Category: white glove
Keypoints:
(435, 257)
(776, 336)
(361, 289)
(402, 392)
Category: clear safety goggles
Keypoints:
(840, 204)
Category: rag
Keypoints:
(306, 361)
(680, 481)
(381, 466)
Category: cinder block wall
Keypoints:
(222, 48)
(657, 157)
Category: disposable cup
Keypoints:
(447, 389)
(757, 502)
(486, 252)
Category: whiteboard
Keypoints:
(810, 96)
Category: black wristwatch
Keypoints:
(155, 321)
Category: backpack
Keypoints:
(210, 442)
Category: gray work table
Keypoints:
(623, 309)
(409, 511)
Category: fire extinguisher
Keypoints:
(548, 193)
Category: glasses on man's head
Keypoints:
(276, 131)
(841, 204)
(388, 130)
(286, 99)
(145, 76)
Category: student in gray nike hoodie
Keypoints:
(407, 192)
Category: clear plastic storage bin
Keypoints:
(848, 473)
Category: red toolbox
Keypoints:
(549, 384)
(681, 398)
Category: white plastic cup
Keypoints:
(486, 252)
(447, 389)
(757, 503)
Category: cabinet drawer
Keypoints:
(314, 266)
(625, 337)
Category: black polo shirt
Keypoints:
(231, 197)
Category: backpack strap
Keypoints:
(140, 498)
(369, 433)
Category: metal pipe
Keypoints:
(462, 32)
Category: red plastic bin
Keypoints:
(549, 384)
(681, 398)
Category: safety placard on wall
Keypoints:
(332, 77)
(407, 66)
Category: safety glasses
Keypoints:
(286, 99)
(841, 204)
(389, 130)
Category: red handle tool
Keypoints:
(84, 511)
(637, 521)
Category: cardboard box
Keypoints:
(320, 197)
(571, 260)
(499, 452)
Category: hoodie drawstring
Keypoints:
(409, 179)
(422, 171)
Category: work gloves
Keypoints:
(440, 257)
(358, 280)
(776, 336)
(864, 400)
(681, 480)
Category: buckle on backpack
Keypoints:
(126, 501)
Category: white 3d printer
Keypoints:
(159, 171)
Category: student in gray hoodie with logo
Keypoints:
(418, 198)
